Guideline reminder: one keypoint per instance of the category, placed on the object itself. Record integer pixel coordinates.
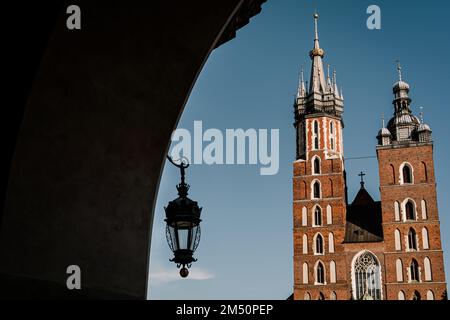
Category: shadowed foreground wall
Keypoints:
(94, 134)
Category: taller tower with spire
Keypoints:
(319, 183)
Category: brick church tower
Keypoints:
(366, 249)
(319, 183)
(413, 250)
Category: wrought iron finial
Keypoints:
(182, 187)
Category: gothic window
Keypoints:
(397, 237)
(425, 173)
(305, 244)
(316, 135)
(316, 165)
(416, 295)
(430, 295)
(427, 267)
(401, 295)
(414, 271)
(397, 211)
(399, 270)
(407, 176)
(331, 243)
(332, 136)
(321, 296)
(320, 273)
(319, 244)
(304, 216)
(305, 273)
(307, 296)
(317, 217)
(329, 215)
(332, 272)
(410, 211)
(412, 239)
(316, 190)
(425, 242)
(423, 205)
(366, 277)
(333, 296)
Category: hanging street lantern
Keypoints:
(183, 223)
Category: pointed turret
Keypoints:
(301, 87)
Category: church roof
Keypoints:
(363, 219)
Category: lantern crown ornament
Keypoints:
(183, 223)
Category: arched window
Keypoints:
(319, 244)
(425, 243)
(332, 136)
(316, 135)
(401, 295)
(427, 267)
(333, 296)
(414, 271)
(423, 205)
(332, 272)
(407, 175)
(398, 243)
(304, 216)
(316, 190)
(317, 216)
(412, 239)
(321, 296)
(320, 273)
(425, 173)
(416, 295)
(399, 270)
(307, 296)
(331, 187)
(316, 165)
(410, 211)
(366, 276)
(305, 273)
(397, 211)
(305, 244)
(329, 215)
(331, 242)
(430, 295)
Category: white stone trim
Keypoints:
(324, 274)
(353, 276)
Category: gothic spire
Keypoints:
(318, 83)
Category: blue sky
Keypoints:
(246, 246)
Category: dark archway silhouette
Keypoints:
(96, 127)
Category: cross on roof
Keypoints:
(362, 174)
